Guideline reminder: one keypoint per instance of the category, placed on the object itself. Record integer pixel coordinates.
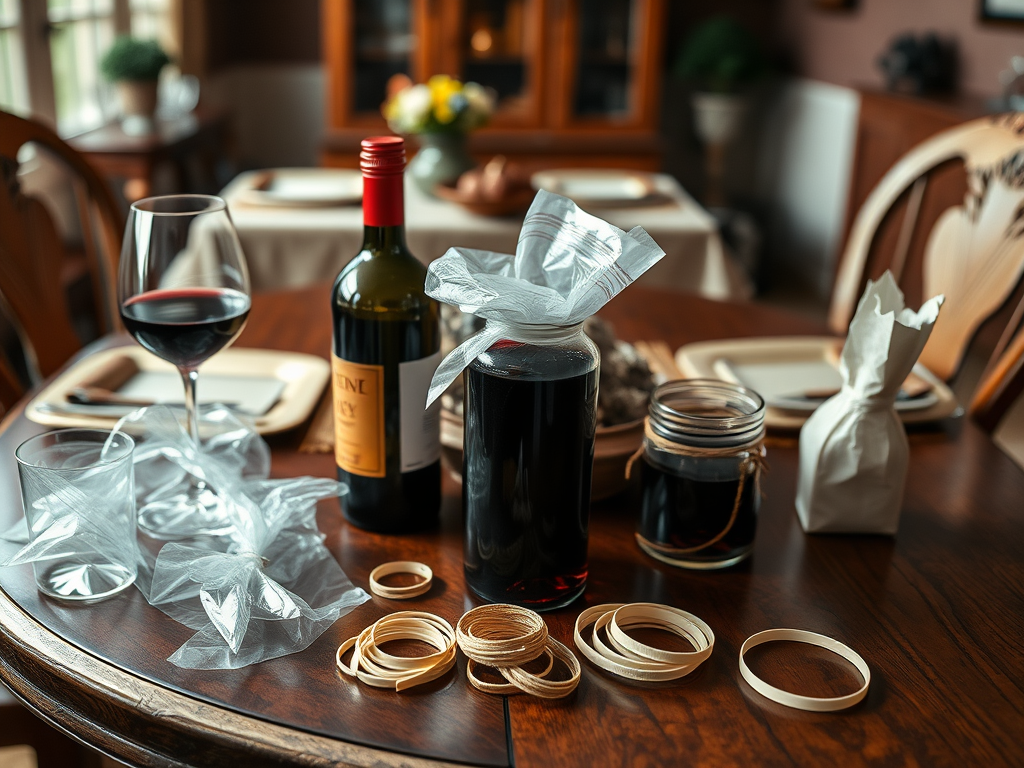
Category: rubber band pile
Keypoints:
(382, 670)
(506, 637)
(626, 657)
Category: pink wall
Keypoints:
(842, 47)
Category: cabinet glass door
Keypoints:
(499, 47)
(604, 62)
(382, 46)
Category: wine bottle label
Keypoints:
(421, 429)
(359, 417)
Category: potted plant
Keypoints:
(441, 113)
(134, 66)
(721, 59)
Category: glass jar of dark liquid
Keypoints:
(530, 420)
(703, 454)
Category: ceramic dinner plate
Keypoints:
(304, 188)
(596, 187)
(280, 389)
(796, 374)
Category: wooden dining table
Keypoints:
(937, 612)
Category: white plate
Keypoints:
(784, 383)
(780, 368)
(302, 380)
(596, 186)
(254, 395)
(304, 187)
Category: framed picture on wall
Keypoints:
(1002, 10)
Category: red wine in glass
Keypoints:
(185, 326)
(183, 290)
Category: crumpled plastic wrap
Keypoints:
(266, 588)
(567, 265)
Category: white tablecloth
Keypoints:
(293, 247)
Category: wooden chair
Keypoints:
(974, 253)
(32, 253)
(1001, 385)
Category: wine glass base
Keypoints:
(83, 582)
(196, 512)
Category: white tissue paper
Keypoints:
(567, 265)
(853, 448)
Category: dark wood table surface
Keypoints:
(937, 612)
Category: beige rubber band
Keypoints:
(401, 593)
(501, 635)
(794, 700)
(674, 620)
(633, 660)
(505, 689)
(507, 636)
(382, 670)
(536, 685)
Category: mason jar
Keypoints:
(530, 421)
(702, 458)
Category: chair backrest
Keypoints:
(975, 251)
(32, 253)
(1001, 385)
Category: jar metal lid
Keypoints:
(706, 412)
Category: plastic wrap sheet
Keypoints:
(266, 588)
(567, 265)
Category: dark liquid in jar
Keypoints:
(529, 451)
(682, 513)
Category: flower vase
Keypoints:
(441, 159)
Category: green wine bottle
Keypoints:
(386, 347)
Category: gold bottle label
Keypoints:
(359, 445)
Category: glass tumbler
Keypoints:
(78, 489)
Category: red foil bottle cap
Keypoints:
(382, 156)
(382, 162)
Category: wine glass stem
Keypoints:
(189, 377)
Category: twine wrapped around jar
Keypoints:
(751, 453)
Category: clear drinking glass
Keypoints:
(77, 486)
(184, 291)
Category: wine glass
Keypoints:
(183, 290)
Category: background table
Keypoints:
(288, 247)
(198, 137)
(937, 612)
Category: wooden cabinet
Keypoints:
(578, 81)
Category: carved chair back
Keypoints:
(974, 253)
(1001, 385)
(32, 252)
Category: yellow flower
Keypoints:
(442, 88)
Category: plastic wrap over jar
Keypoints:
(266, 588)
(567, 265)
